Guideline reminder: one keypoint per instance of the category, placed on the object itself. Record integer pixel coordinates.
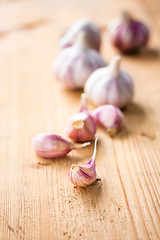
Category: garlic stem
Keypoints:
(92, 160)
(81, 41)
(77, 146)
(83, 102)
(115, 65)
(126, 16)
(95, 149)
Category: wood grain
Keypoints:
(36, 199)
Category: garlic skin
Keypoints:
(127, 34)
(92, 33)
(84, 175)
(81, 126)
(74, 64)
(109, 117)
(110, 85)
(53, 146)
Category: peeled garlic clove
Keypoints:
(84, 175)
(128, 34)
(53, 146)
(81, 126)
(91, 30)
(74, 64)
(110, 85)
(109, 117)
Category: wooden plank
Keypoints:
(36, 199)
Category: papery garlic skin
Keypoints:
(127, 34)
(74, 64)
(84, 175)
(109, 117)
(53, 146)
(110, 85)
(81, 126)
(92, 33)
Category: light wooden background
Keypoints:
(36, 199)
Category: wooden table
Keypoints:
(36, 199)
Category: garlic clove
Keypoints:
(109, 117)
(75, 64)
(128, 34)
(81, 126)
(110, 85)
(91, 30)
(53, 146)
(84, 175)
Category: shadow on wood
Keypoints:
(145, 54)
(90, 194)
(134, 117)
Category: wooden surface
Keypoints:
(36, 199)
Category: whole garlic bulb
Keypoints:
(92, 33)
(74, 64)
(110, 85)
(81, 126)
(127, 34)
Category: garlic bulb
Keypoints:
(110, 85)
(81, 126)
(74, 64)
(92, 33)
(53, 146)
(84, 175)
(109, 117)
(127, 34)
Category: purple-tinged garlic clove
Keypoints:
(81, 126)
(75, 64)
(109, 117)
(53, 146)
(84, 175)
(91, 30)
(110, 85)
(128, 34)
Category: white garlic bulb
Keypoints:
(128, 34)
(91, 30)
(75, 64)
(110, 85)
